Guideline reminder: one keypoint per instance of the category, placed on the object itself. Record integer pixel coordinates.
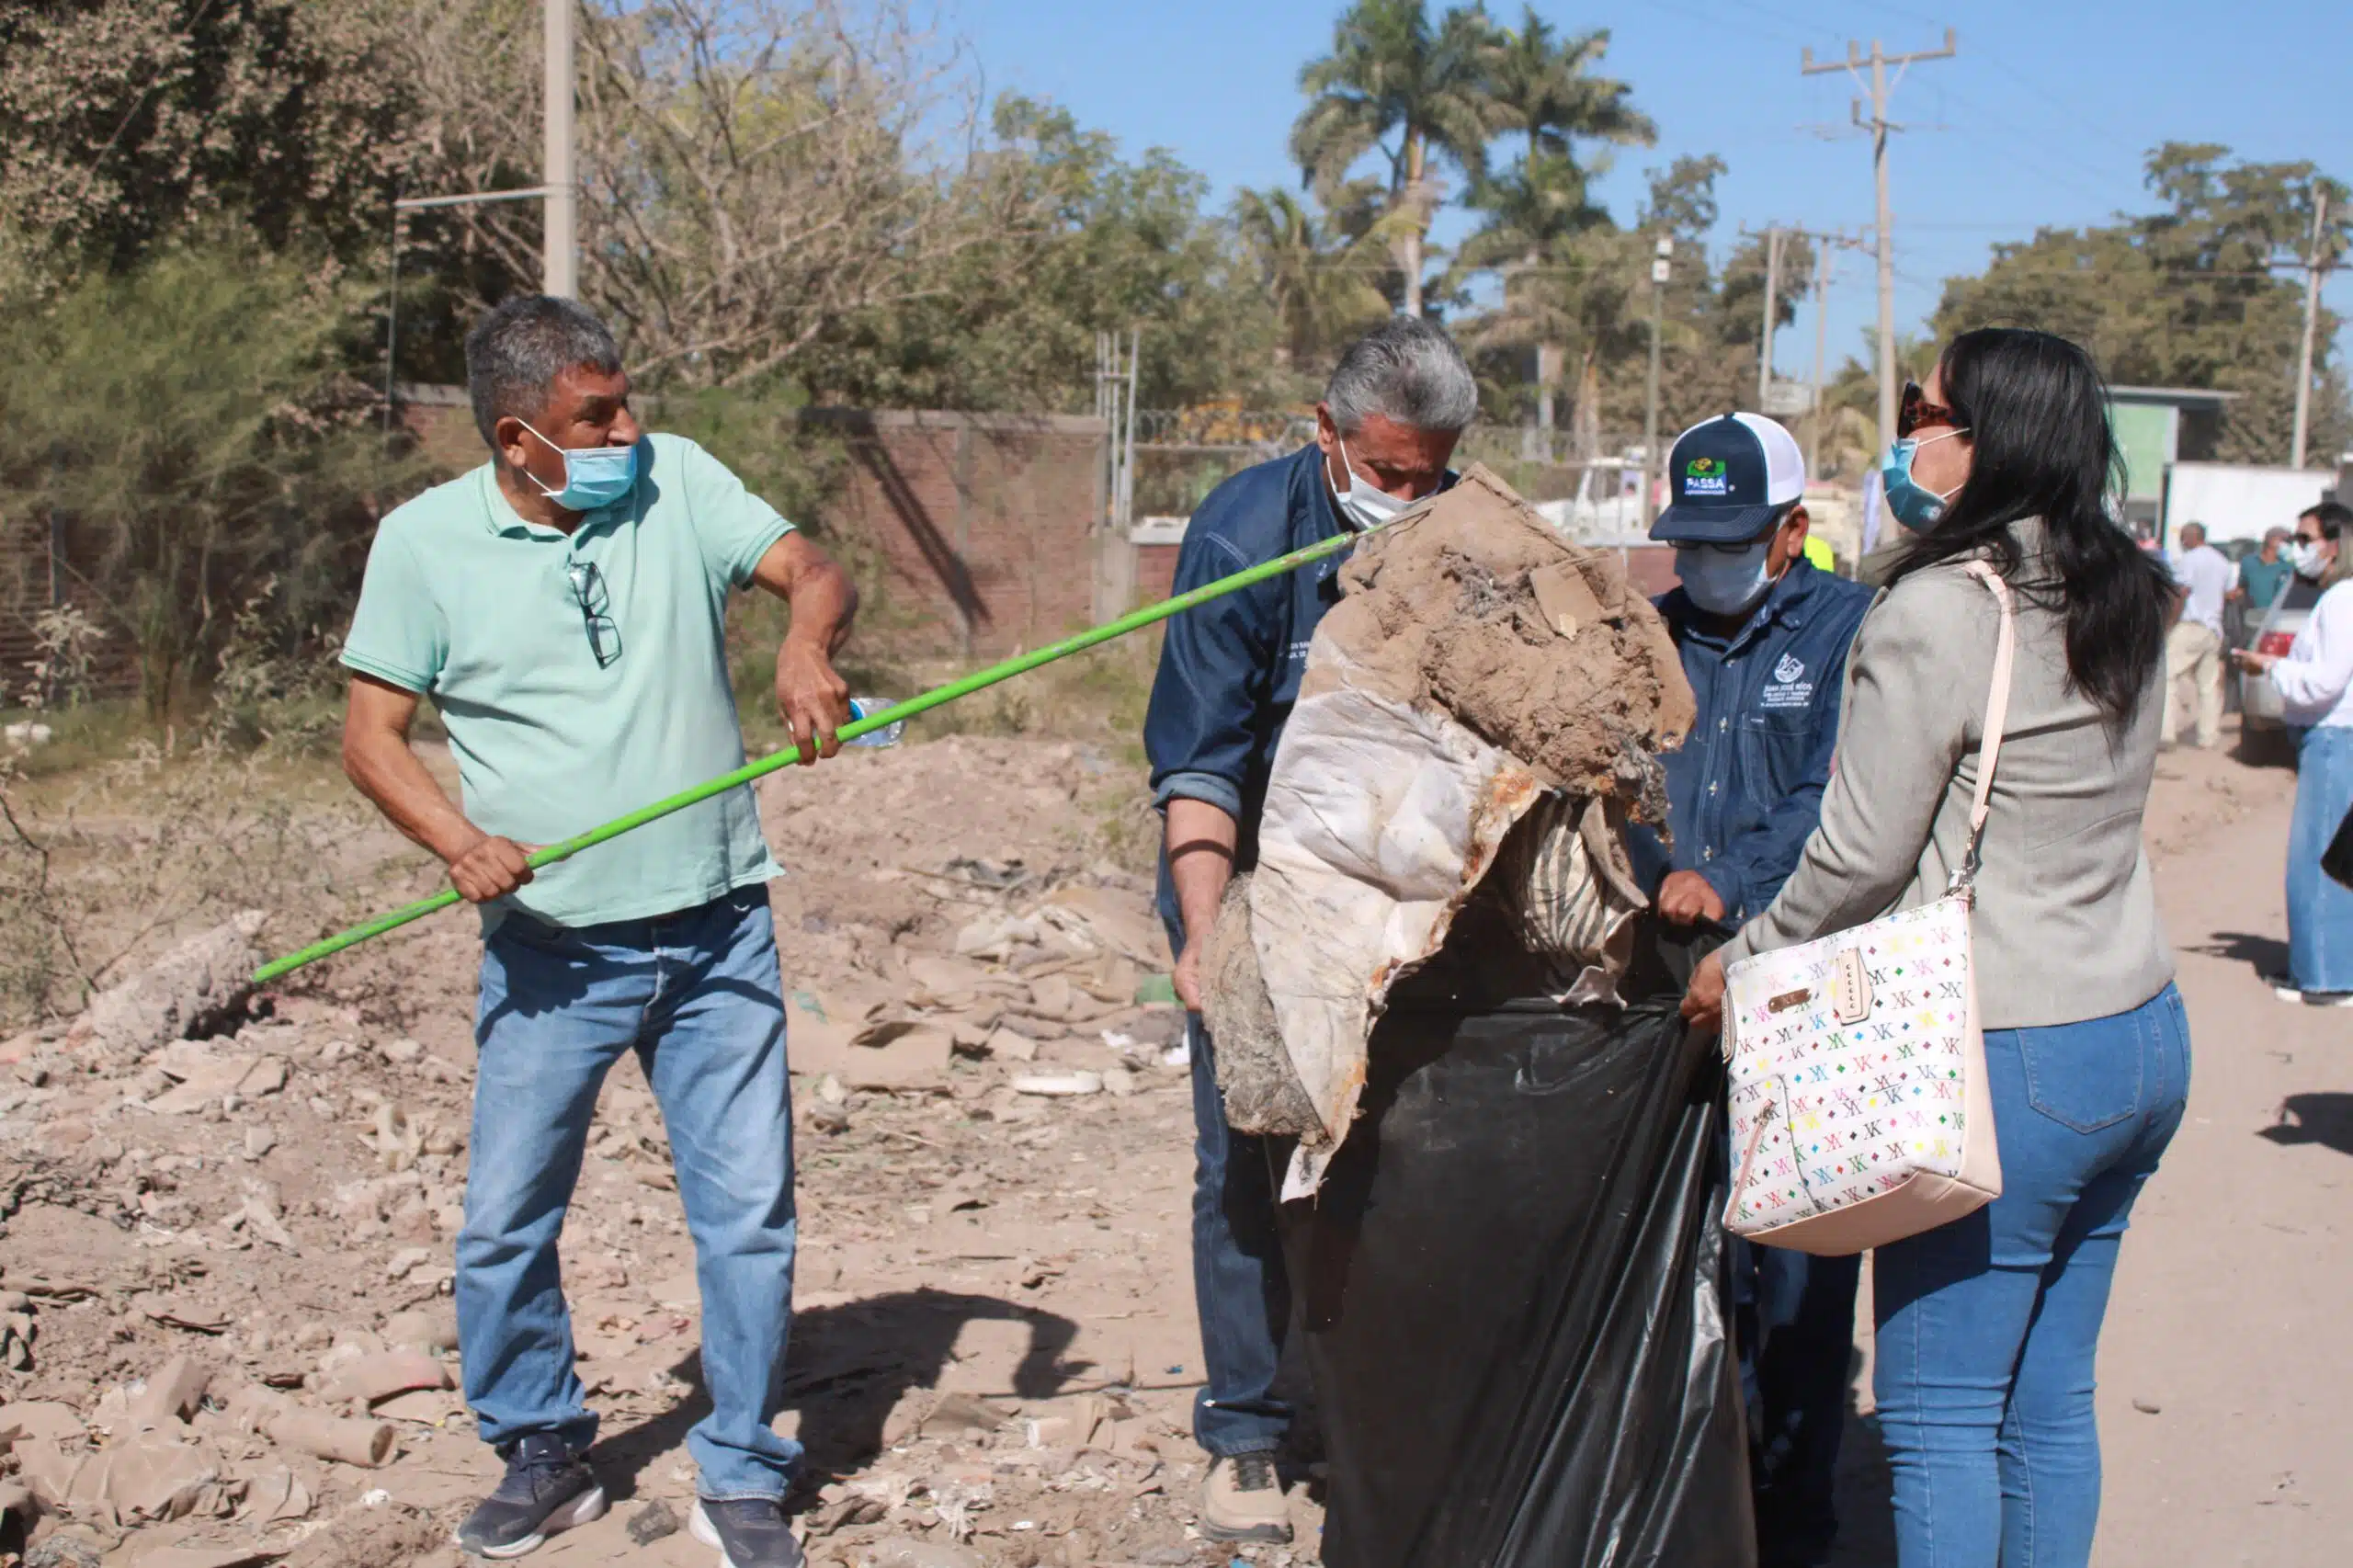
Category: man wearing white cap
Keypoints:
(1764, 636)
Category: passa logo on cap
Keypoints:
(1705, 476)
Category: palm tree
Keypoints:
(1542, 87)
(1315, 267)
(1540, 81)
(1393, 73)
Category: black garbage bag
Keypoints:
(1513, 1297)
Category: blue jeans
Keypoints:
(2320, 911)
(1239, 1287)
(1987, 1326)
(1795, 1320)
(697, 995)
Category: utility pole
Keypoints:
(1821, 342)
(558, 267)
(1878, 125)
(1772, 304)
(1660, 270)
(2313, 266)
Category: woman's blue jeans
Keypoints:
(2320, 912)
(1987, 1326)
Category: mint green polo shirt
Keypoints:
(465, 600)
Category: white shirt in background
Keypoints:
(2315, 678)
(2205, 574)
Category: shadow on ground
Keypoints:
(848, 1367)
(2325, 1119)
(2267, 956)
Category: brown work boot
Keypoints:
(1243, 1500)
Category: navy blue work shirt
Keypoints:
(1230, 669)
(1745, 790)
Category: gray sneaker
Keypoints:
(545, 1490)
(1242, 1499)
(750, 1532)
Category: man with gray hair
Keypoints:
(564, 605)
(1229, 673)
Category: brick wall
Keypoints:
(983, 524)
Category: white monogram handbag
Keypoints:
(1860, 1113)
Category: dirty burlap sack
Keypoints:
(1479, 666)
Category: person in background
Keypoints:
(2263, 574)
(1229, 673)
(2315, 679)
(2202, 575)
(1988, 1327)
(565, 605)
(1763, 632)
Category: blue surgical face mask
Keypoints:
(1908, 502)
(1725, 581)
(593, 476)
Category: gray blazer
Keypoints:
(2065, 927)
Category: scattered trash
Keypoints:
(429, 1329)
(903, 1552)
(961, 1414)
(196, 987)
(1059, 1083)
(652, 1522)
(1010, 1045)
(41, 1420)
(170, 1395)
(379, 1376)
(367, 1444)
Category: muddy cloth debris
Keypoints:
(1478, 666)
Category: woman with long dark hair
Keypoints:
(2315, 679)
(1987, 1326)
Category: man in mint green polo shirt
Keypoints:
(565, 607)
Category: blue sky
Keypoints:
(2041, 119)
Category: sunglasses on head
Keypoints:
(1915, 412)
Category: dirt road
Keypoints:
(997, 1339)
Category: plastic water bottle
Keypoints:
(859, 707)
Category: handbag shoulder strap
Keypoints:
(1997, 713)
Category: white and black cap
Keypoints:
(1729, 478)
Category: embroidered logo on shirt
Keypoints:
(1792, 690)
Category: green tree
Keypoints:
(1318, 275)
(1419, 93)
(1087, 242)
(2200, 293)
(1543, 85)
(189, 417)
(1540, 221)
(124, 121)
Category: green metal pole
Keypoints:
(1020, 665)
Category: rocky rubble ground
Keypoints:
(226, 1334)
